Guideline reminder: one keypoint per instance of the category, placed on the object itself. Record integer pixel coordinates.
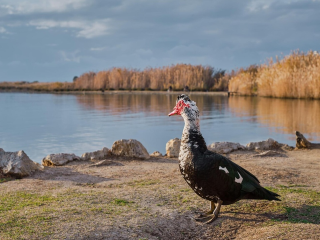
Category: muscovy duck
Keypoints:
(211, 175)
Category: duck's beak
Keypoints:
(175, 111)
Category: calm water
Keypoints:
(41, 124)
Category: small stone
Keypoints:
(156, 154)
(173, 148)
(269, 153)
(287, 147)
(225, 147)
(96, 155)
(102, 163)
(129, 148)
(59, 159)
(263, 145)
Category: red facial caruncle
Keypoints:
(179, 108)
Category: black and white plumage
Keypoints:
(211, 175)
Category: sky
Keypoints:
(55, 40)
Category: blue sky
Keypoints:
(55, 40)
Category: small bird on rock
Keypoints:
(211, 175)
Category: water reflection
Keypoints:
(281, 115)
(42, 124)
(150, 104)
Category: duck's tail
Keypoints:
(262, 193)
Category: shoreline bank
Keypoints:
(114, 92)
(132, 199)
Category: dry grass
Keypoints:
(37, 86)
(244, 81)
(177, 76)
(150, 200)
(294, 76)
(197, 78)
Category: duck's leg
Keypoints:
(204, 216)
(215, 212)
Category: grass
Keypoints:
(33, 215)
(121, 202)
(26, 215)
(300, 205)
(2, 180)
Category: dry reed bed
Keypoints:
(37, 86)
(294, 76)
(197, 78)
(176, 76)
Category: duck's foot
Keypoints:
(207, 214)
(210, 216)
(202, 217)
(213, 217)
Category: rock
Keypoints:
(156, 154)
(287, 147)
(102, 163)
(173, 148)
(263, 145)
(225, 147)
(17, 164)
(59, 159)
(129, 148)
(269, 153)
(301, 141)
(96, 155)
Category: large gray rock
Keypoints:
(263, 145)
(225, 147)
(96, 155)
(17, 164)
(173, 148)
(59, 159)
(129, 148)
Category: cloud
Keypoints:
(98, 49)
(87, 29)
(10, 7)
(3, 30)
(142, 33)
(70, 56)
(263, 5)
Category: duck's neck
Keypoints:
(192, 137)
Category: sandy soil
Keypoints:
(132, 199)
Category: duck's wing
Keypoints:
(234, 174)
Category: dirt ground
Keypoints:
(134, 199)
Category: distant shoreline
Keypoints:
(221, 93)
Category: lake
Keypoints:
(41, 124)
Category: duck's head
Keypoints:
(186, 108)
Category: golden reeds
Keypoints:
(177, 76)
(203, 78)
(294, 76)
(37, 86)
